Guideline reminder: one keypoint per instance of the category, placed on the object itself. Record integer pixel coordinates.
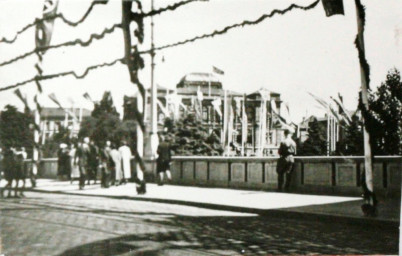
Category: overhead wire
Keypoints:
(230, 27)
(212, 34)
(69, 43)
(50, 17)
(66, 73)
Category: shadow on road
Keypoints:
(247, 236)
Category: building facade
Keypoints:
(52, 119)
(249, 123)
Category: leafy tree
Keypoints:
(105, 106)
(126, 130)
(352, 142)
(16, 129)
(315, 143)
(53, 143)
(103, 122)
(384, 117)
(189, 137)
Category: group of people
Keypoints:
(83, 160)
(13, 168)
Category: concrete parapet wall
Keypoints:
(316, 175)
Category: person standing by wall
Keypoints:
(21, 170)
(81, 159)
(126, 155)
(117, 174)
(163, 160)
(104, 156)
(74, 170)
(287, 150)
(8, 164)
(93, 162)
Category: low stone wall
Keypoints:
(316, 175)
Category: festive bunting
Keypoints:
(333, 7)
(216, 103)
(217, 70)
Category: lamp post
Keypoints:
(154, 112)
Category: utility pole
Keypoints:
(154, 112)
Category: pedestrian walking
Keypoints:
(9, 164)
(117, 173)
(93, 162)
(287, 150)
(20, 169)
(126, 155)
(81, 159)
(163, 161)
(63, 161)
(104, 159)
(74, 169)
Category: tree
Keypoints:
(315, 143)
(16, 129)
(105, 106)
(103, 123)
(53, 143)
(189, 137)
(384, 117)
(352, 141)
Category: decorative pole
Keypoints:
(364, 76)
(134, 62)
(154, 92)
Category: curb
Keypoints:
(273, 213)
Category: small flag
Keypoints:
(217, 70)
(86, 96)
(163, 109)
(44, 28)
(216, 103)
(38, 106)
(333, 7)
(52, 96)
(200, 96)
(265, 94)
(22, 98)
(342, 110)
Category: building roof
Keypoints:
(58, 113)
(272, 93)
(200, 77)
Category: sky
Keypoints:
(292, 54)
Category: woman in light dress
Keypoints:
(116, 157)
(75, 171)
(126, 155)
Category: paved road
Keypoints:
(54, 224)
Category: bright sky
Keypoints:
(299, 52)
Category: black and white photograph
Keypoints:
(200, 127)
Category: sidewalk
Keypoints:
(332, 208)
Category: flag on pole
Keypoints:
(216, 103)
(38, 106)
(52, 96)
(162, 108)
(198, 103)
(44, 27)
(22, 98)
(43, 34)
(342, 110)
(244, 126)
(333, 7)
(217, 70)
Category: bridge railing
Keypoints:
(318, 175)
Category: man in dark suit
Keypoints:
(287, 150)
(163, 160)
